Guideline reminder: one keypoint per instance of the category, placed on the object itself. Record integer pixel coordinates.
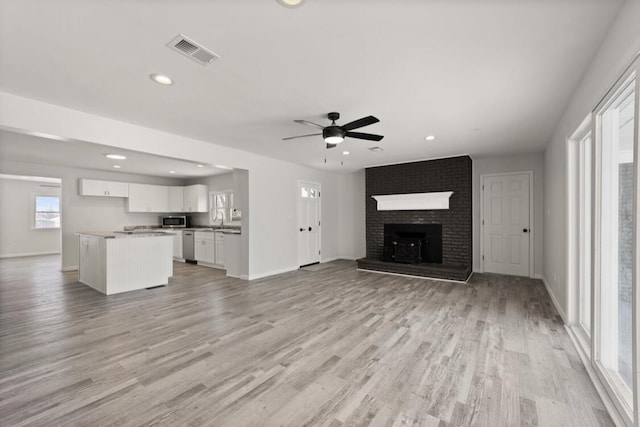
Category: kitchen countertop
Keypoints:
(125, 234)
(231, 229)
(214, 230)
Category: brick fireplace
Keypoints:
(442, 175)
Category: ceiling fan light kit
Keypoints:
(335, 134)
(292, 4)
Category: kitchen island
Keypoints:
(115, 262)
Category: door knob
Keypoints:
(525, 230)
(302, 229)
(309, 228)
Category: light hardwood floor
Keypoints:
(330, 347)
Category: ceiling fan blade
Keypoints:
(300, 136)
(365, 121)
(367, 136)
(308, 123)
(331, 146)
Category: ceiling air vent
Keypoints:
(376, 149)
(193, 50)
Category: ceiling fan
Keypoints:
(334, 134)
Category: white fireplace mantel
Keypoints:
(413, 201)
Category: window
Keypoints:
(220, 207)
(47, 212)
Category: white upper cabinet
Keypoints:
(195, 198)
(94, 187)
(148, 198)
(176, 199)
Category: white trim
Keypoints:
(269, 273)
(348, 257)
(70, 268)
(617, 418)
(26, 254)
(555, 301)
(333, 258)
(416, 277)
(537, 276)
(419, 160)
(531, 217)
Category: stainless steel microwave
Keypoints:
(177, 221)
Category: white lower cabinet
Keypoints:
(177, 245)
(205, 249)
(219, 249)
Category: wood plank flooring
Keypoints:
(332, 347)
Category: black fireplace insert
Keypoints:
(412, 243)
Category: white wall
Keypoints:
(273, 195)
(525, 162)
(352, 219)
(272, 183)
(85, 213)
(620, 46)
(18, 235)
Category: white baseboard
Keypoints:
(335, 258)
(536, 276)
(608, 403)
(270, 273)
(349, 258)
(25, 254)
(244, 277)
(416, 277)
(69, 268)
(555, 301)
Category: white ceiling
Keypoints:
(23, 148)
(486, 77)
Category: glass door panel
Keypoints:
(616, 150)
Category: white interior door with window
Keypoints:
(505, 224)
(308, 223)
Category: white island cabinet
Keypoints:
(119, 262)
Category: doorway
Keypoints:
(308, 223)
(505, 220)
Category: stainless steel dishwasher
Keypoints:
(188, 245)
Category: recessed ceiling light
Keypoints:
(159, 78)
(222, 167)
(115, 156)
(376, 149)
(346, 153)
(172, 171)
(117, 166)
(290, 3)
(429, 138)
(200, 166)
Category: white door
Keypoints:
(308, 223)
(506, 224)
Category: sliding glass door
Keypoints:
(615, 148)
